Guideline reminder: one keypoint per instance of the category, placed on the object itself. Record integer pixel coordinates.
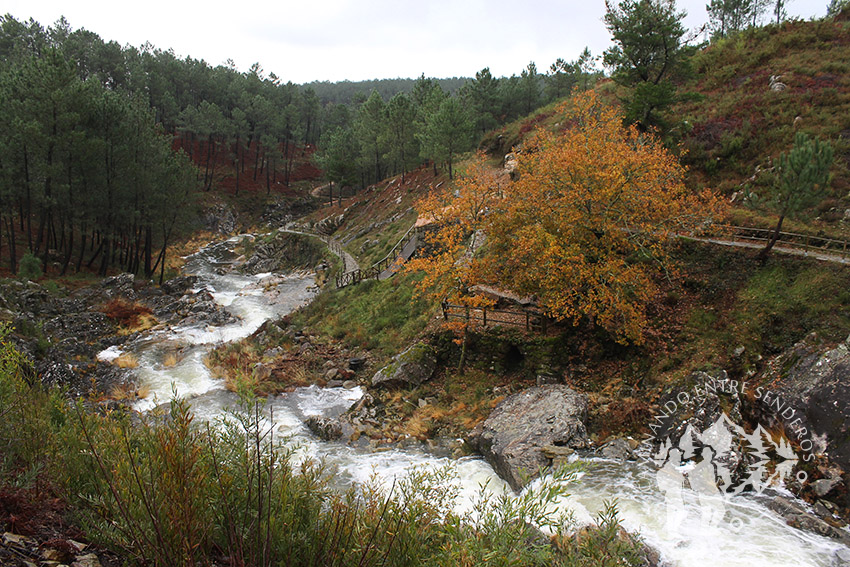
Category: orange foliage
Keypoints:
(460, 213)
(585, 228)
(590, 219)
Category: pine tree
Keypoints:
(803, 178)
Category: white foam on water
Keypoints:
(749, 534)
(325, 401)
(109, 354)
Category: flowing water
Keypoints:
(750, 536)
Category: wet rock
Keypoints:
(326, 428)
(618, 450)
(811, 384)
(179, 285)
(824, 486)
(558, 455)
(221, 218)
(335, 383)
(191, 309)
(705, 403)
(349, 384)
(85, 326)
(284, 252)
(331, 374)
(797, 516)
(512, 438)
(410, 368)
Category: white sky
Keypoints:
(358, 39)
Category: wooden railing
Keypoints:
(807, 242)
(332, 243)
(531, 320)
(379, 267)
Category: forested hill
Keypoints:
(87, 175)
(348, 92)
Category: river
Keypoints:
(750, 536)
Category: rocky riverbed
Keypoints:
(77, 339)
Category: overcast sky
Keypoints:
(358, 39)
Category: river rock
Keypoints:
(283, 252)
(795, 515)
(410, 368)
(220, 218)
(85, 326)
(617, 450)
(326, 428)
(824, 486)
(179, 285)
(514, 436)
(705, 405)
(191, 309)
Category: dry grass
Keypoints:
(126, 360)
(128, 392)
(170, 360)
(131, 317)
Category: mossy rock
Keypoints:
(412, 367)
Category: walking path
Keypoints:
(349, 263)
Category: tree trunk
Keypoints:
(104, 258)
(29, 198)
(13, 256)
(148, 245)
(96, 254)
(82, 250)
(69, 250)
(762, 257)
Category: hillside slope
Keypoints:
(731, 124)
(738, 121)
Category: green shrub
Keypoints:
(29, 267)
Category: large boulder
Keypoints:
(119, 286)
(516, 437)
(221, 218)
(283, 252)
(809, 389)
(410, 368)
(706, 409)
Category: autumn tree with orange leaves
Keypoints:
(460, 212)
(586, 228)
